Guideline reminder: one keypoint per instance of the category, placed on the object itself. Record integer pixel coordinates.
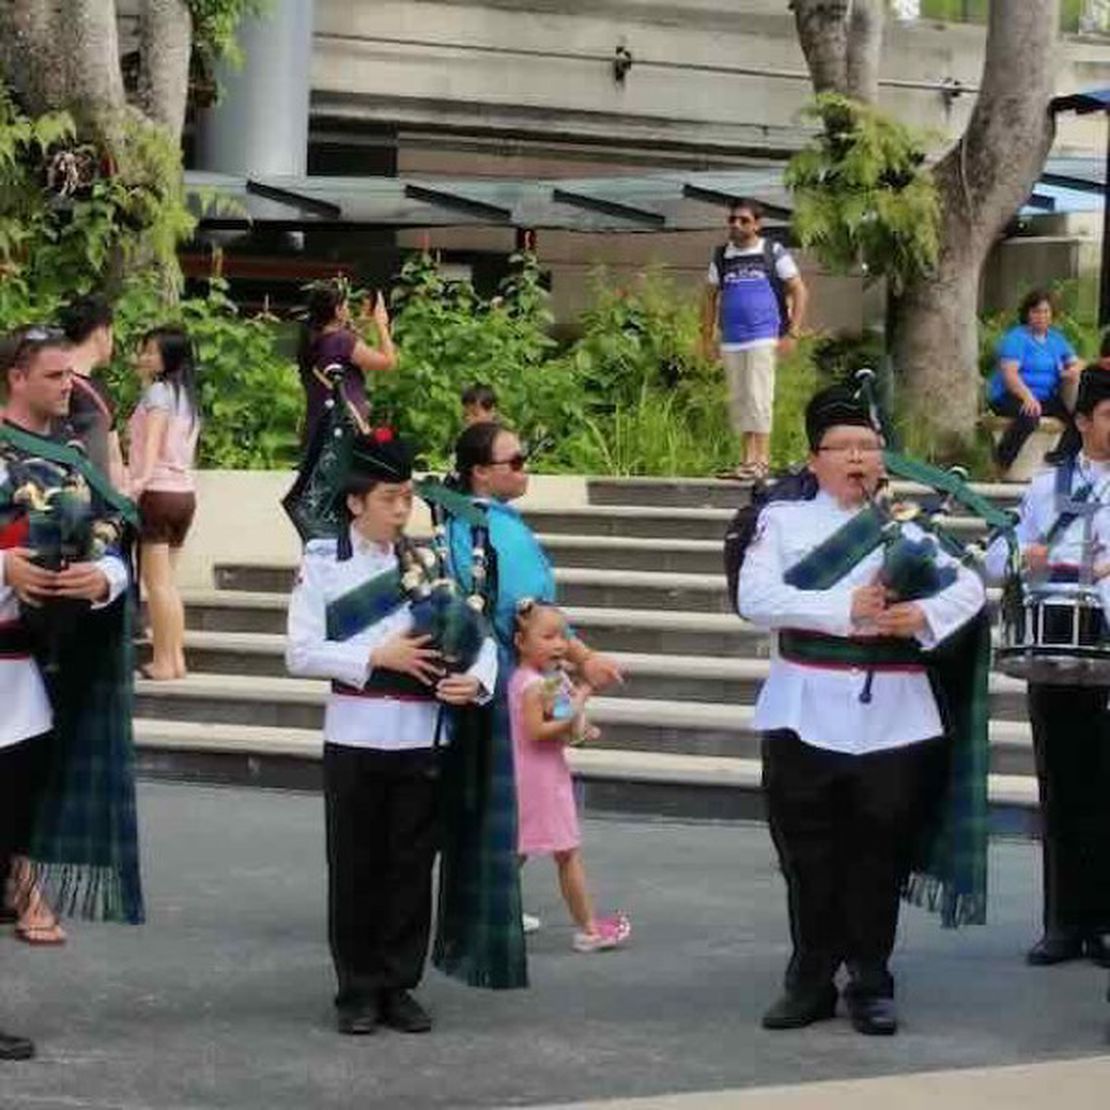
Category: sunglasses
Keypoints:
(516, 463)
(744, 221)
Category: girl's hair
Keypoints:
(474, 448)
(526, 610)
(324, 303)
(1030, 301)
(178, 364)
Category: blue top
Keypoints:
(1040, 361)
(523, 568)
(749, 306)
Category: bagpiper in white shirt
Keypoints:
(384, 717)
(854, 757)
(1070, 724)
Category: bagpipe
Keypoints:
(53, 509)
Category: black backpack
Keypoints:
(800, 486)
(771, 253)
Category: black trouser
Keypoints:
(382, 841)
(1022, 426)
(1071, 740)
(24, 768)
(847, 829)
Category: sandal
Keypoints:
(46, 935)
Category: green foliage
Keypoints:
(250, 395)
(71, 214)
(976, 11)
(215, 23)
(862, 194)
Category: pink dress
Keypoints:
(547, 815)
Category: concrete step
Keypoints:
(660, 783)
(648, 675)
(692, 493)
(655, 522)
(632, 553)
(619, 589)
(607, 629)
(627, 723)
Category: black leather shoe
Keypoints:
(357, 1021)
(400, 1011)
(873, 1017)
(1097, 950)
(795, 1011)
(15, 1048)
(1054, 948)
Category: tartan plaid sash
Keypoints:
(366, 604)
(61, 453)
(830, 560)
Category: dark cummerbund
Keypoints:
(388, 684)
(870, 653)
(15, 642)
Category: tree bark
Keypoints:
(865, 47)
(166, 31)
(982, 182)
(823, 33)
(30, 53)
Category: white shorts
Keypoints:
(750, 376)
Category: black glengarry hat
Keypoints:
(378, 456)
(1094, 386)
(836, 404)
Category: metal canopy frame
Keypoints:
(727, 199)
(312, 205)
(608, 207)
(1083, 103)
(457, 202)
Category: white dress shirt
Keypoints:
(822, 705)
(382, 723)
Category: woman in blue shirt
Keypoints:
(481, 938)
(1037, 374)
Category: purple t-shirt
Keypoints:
(328, 349)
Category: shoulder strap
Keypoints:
(65, 455)
(719, 258)
(1064, 476)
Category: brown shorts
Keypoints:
(165, 517)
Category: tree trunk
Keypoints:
(982, 182)
(865, 47)
(166, 31)
(823, 34)
(30, 54)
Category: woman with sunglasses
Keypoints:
(491, 467)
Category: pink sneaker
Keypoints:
(611, 932)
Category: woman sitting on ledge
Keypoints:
(1037, 375)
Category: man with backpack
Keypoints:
(756, 300)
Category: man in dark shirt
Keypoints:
(87, 323)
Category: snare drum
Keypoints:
(1054, 633)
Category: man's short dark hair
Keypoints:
(81, 317)
(480, 395)
(747, 204)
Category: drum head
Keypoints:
(1055, 667)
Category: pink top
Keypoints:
(547, 817)
(173, 469)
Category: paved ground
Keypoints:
(223, 999)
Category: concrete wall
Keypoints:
(707, 76)
(240, 519)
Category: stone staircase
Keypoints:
(640, 576)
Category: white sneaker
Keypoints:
(530, 922)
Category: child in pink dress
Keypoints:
(547, 814)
